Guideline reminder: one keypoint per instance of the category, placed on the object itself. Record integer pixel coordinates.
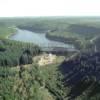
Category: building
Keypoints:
(47, 59)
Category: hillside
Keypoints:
(70, 76)
(81, 74)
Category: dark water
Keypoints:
(39, 39)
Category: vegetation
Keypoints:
(31, 83)
(14, 53)
(77, 31)
(5, 32)
(76, 78)
(81, 74)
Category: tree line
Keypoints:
(14, 53)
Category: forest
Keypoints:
(14, 53)
(76, 77)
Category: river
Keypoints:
(39, 39)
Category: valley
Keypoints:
(50, 58)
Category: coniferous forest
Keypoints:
(75, 71)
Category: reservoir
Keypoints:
(39, 39)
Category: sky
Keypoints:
(15, 8)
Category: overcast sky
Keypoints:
(49, 8)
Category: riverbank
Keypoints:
(32, 30)
(6, 32)
(11, 34)
(41, 40)
(61, 39)
(71, 41)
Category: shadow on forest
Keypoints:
(82, 73)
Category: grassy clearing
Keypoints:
(56, 60)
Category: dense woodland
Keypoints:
(32, 83)
(77, 78)
(82, 75)
(14, 53)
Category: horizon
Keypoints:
(50, 17)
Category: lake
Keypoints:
(38, 38)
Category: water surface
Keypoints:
(39, 39)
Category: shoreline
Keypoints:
(53, 38)
(64, 40)
(11, 34)
(57, 38)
